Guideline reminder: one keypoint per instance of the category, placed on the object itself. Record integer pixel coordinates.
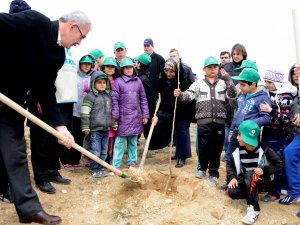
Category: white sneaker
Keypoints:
(213, 180)
(251, 216)
(200, 174)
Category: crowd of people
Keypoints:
(105, 103)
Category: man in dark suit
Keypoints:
(40, 44)
(156, 68)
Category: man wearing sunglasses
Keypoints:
(41, 44)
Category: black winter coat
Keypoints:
(156, 69)
(30, 59)
(185, 111)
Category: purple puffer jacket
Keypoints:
(129, 105)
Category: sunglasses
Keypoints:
(82, 36)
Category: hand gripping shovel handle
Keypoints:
(149, 135)
(52, 131)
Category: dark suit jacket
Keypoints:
(156, 69)
(30, 59)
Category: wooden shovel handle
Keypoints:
(54, 132)
(149, 135)
(296, 24)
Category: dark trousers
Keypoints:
(243, 190)
(210, 145)
(44, 154)
(45, 148)
(13, 159)
(277, 142)
(183, 140)
(72, 156)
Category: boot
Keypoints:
(180, 163)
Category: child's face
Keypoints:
(237, 56)
(270, 85)
(169, 73)
(211, 71)
(245, 88)
(100, 85)
(243, 144)
(109, 70)
(137, 65)
(295, 78)
(100, 60)
(240, 141)
(128, 70)
(85, 67)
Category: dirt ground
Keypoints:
(113, 200)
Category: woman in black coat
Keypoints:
(184, 112)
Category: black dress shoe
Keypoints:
(46, 187)
(59, 180)
(41, 217)
(180, 163)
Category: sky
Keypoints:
(198, 29)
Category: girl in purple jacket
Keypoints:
(129, 113)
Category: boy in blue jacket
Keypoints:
(248, 105)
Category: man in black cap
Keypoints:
(156, 68)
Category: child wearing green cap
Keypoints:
(71, 159)
(248, 105)
(110, 68)
(129, 113)
(250, 163)
(142, 65)
(98, 57)
(210, 94)
(96, 119)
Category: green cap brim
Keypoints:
(250, 141)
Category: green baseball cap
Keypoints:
(249, 131)
(96, 53)
(248, 74)
(111, 61)
(86, 59)
(119, 45)
(247, 64)
(210, 61)
(102, 76)
(144, 59)
(126, 62)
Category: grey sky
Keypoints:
(197, 28)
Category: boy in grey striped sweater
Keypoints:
(210, 94)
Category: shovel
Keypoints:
(52, 131)
(149, 135)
